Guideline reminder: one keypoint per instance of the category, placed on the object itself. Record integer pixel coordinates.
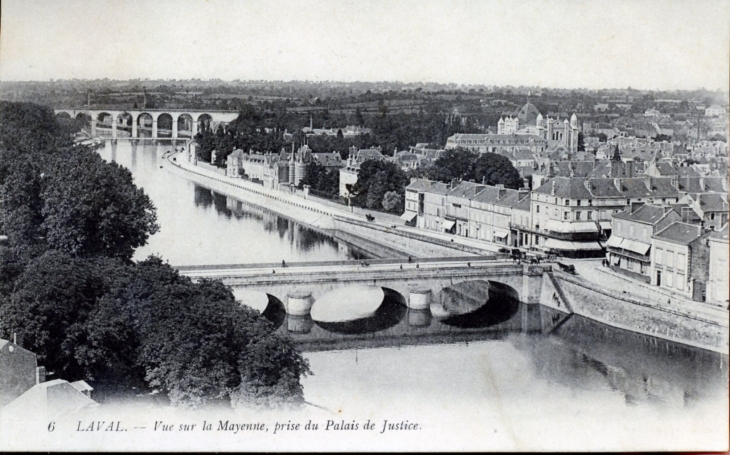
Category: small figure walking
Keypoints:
(410, 259)
(283, 264)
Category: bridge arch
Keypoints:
(204, 121)
(164, 125)
(63, 114)
(185, 125)
(145, 123)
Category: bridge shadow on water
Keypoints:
(467, 311)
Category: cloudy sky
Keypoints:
(650, 44)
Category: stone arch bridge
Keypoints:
(177, 123)
(410, 279)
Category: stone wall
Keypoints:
(619, 310)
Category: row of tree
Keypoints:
(71, 293)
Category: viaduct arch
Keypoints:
(147, 120)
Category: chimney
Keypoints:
(526, 183)
(522, 193)
(635, 206)
(702, 183)
(629, 168)
(40, 375)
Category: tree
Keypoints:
(393, 202)
(374, 179)
(50, 302)
(454, 163)
(91, 207)
(493, 169)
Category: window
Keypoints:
(669, 279)
(680, 282)
(590, 201)
(590, 215)
(578, 202)
(659, 256)
(567, 202)
(628, 201)
(578, 215)
(537, 209)
(670, 258)
(681, 258)
(712, 216)
(566, 215)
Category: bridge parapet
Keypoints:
(404, 278)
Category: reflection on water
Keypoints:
(388, 314)
(577, 353)
(199, 226)
(475, 304)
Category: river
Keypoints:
(503, 382)
(199, 226)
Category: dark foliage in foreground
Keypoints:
(71, 293)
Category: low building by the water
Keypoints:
(629, 247)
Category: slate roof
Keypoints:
(680, 233)
(647, 213)
(579, 188)
(428, 185)
(465, 190)
(713, 202)
(565, 187)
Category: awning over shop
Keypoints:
(614, 241)
(571, 226)
(584, 226)
(558, 226)
(408, 216)
(635, 246)
(571, 246)
(448, 225)
(605, 225)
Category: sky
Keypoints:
(645, 44)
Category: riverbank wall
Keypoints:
(385, 240)
(568, 294)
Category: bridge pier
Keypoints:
(299, 303)
(134, 126)
(154, 128)
(92, 123)
(419, 299)
(531, 283)
(114, 127)
(174, 128)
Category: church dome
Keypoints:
(528, 114)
